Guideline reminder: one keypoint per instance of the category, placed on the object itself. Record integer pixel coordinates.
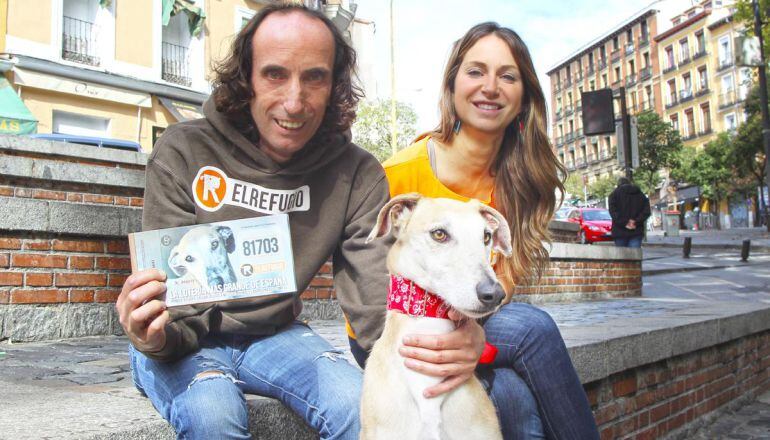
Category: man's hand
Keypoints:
(143, 317)
(452, 356)
(631, 224)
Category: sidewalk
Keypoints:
(759, 237)
(81, 388)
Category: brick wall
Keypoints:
(587, 278)
(673, 397)
(39, 269)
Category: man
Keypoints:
(276, 124)
(629, 209)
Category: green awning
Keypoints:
(195, 15)
(15, 117)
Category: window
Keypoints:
(569, 72)
(631, 68)
(594, 150)
(688, 114)
(686, 86)
(684, 50)
(674, 121)
(80, 33)
(615, 43)
(672, 92)
(633, 101)
(558, 104)
(617, 74)
(645, 32)
(670, 57)
(592, 85)
(730, 122)
(701, 41)
(703, 78)
(646, 57)
(604, 80)
(590, 60)
(569, 99)
(603, 53)
(629, 36)
(727, 83)
(80, 125)
(745, 83)
(175, 51)
(706, 117)
(724, 51)
(242, 17)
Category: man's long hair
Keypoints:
(526, 170)
(232, 82)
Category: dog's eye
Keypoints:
(189, 259)
(439, 235)
(487, 237)
(214, 244)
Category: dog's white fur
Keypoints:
(202, 254)
(393, 406)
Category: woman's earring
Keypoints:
(521, 127)
(456, 128)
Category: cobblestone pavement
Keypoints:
(751, 422)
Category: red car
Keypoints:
(595, 224)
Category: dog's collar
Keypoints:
(407, 297)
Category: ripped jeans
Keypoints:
(295, 366)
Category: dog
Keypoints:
(444, 247)
(202, 254)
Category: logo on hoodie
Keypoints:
(212, 189)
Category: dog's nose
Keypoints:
(490, 292)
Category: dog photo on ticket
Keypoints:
(219, 261)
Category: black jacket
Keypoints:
(628, 202)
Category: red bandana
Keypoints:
(406, 297)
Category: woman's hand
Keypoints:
(143, 317)
(452, 356)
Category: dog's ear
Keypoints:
(227, 235)
(174, 264)
(501, 232)
(393, 214)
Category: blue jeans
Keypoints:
(531, 348)
(295, 366)
(632, 242)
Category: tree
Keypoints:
(659, 148)
(711, 169)
(371, 130)
(744, 14)
(749, 156)
(602, 187)
(574, 187)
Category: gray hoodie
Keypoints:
(345, 188)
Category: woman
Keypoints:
(492, 145)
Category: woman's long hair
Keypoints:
(526, 169)
(232, 81)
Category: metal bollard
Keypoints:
(686, 247)
(745, 250)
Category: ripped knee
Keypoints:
(333, 355)
(212, 374)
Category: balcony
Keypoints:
(602, 64)
(705, 131)
(569, 137)
(648, 105)
(704, 90)
(689, 136)
(727, 99)
(559, 141)
(615, 85)
(568, 110)
(580, 135)
(699, 54)
(591, 69)
(629, 48)
(579, 106)
(644, 41)
(570, 166)
(685, 95)
(672, 101)
(645, 73)
(79, 41)
(558, 114)
(568, 83)
(725, 63)
(670, 67)
(175, 65)
(615, 56)
(557, 88)
(592, 159)
(685, 60)
(581, 162)
(579, 76)
(630, 80)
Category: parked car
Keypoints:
(595, 224)
(89, 140)
(562, 213)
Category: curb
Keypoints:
(754, 248)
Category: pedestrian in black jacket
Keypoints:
(629, 208)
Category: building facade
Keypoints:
(121, 69)
(625, 56)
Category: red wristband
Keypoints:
(489, 354)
